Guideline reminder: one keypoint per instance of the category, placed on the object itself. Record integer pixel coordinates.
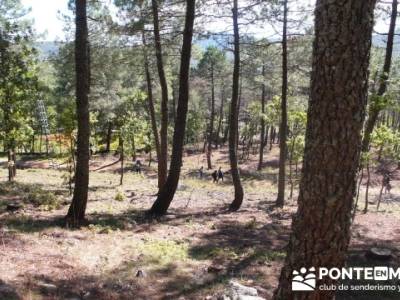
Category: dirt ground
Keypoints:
(191, 253)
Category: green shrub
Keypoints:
(41, 198)
(119, 196)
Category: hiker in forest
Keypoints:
(201, 173)
(215, 176)
(138, 167)
(386, 183)
(220, 174)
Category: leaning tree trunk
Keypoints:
(122, 159)
(152, 111)
(211, 128)
(173, 104)
(239, 103)
(374, 109)
(221, 117)
(163, 158)
(339, 85)
(358, 192)
(283, 126)
(234, 112)
(272, 137)
(367, 188)
(76, 212)
(167, 192)
(11, 165)
(108, 137)
(380, 193)
(262, 133)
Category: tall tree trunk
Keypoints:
(221, 117)
(290, 167)
(234, 112)
(174, 92)
(167, 192)
(163, 158)
(239, 103)
(47, 143)
(374, 109)
(108, 137)
(211, 128)
(358, 192)
(40, 140)
(133, 144)
(339, 85)
(32, 144)
(160, 167)
(11, 164)
(122, 159)
(226, 131)
(380, 193)
(262, 133)
(76, 212)
(283, 126)
(266, 136)
(367, 187)
(9, 142)
(272, 137)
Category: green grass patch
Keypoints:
(163, 252)
(230, 253)
(213, 252)
(30, 194)
(119, 196)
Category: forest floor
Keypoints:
(191, 253)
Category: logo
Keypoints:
(381, 273)
(303, 280)
(306, 279)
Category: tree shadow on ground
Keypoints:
(258, 176)
(8, 292)
(130, 220)
(231, 250)
(25, 224)
(237, 250)
(358, 256)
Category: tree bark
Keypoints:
(339, 85)
(380, 193)
(239, 103)
(173, 104)
(367, 188)
(167, 192)
(358, 192)
(133, 148)
(152, 113)
(122, 159)
(221, 117)
(374, 110)
(262, 121)
(283, 126)
(212, 114)
(266, 136)
(163, 158)
(234, 112)
(272, 137)
(226, 131)
(11, 165)
(76, 212)
(109, 135)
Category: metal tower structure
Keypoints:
(45, 129)
(43, 121)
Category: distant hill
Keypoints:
(381, 40)
(47, 48)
